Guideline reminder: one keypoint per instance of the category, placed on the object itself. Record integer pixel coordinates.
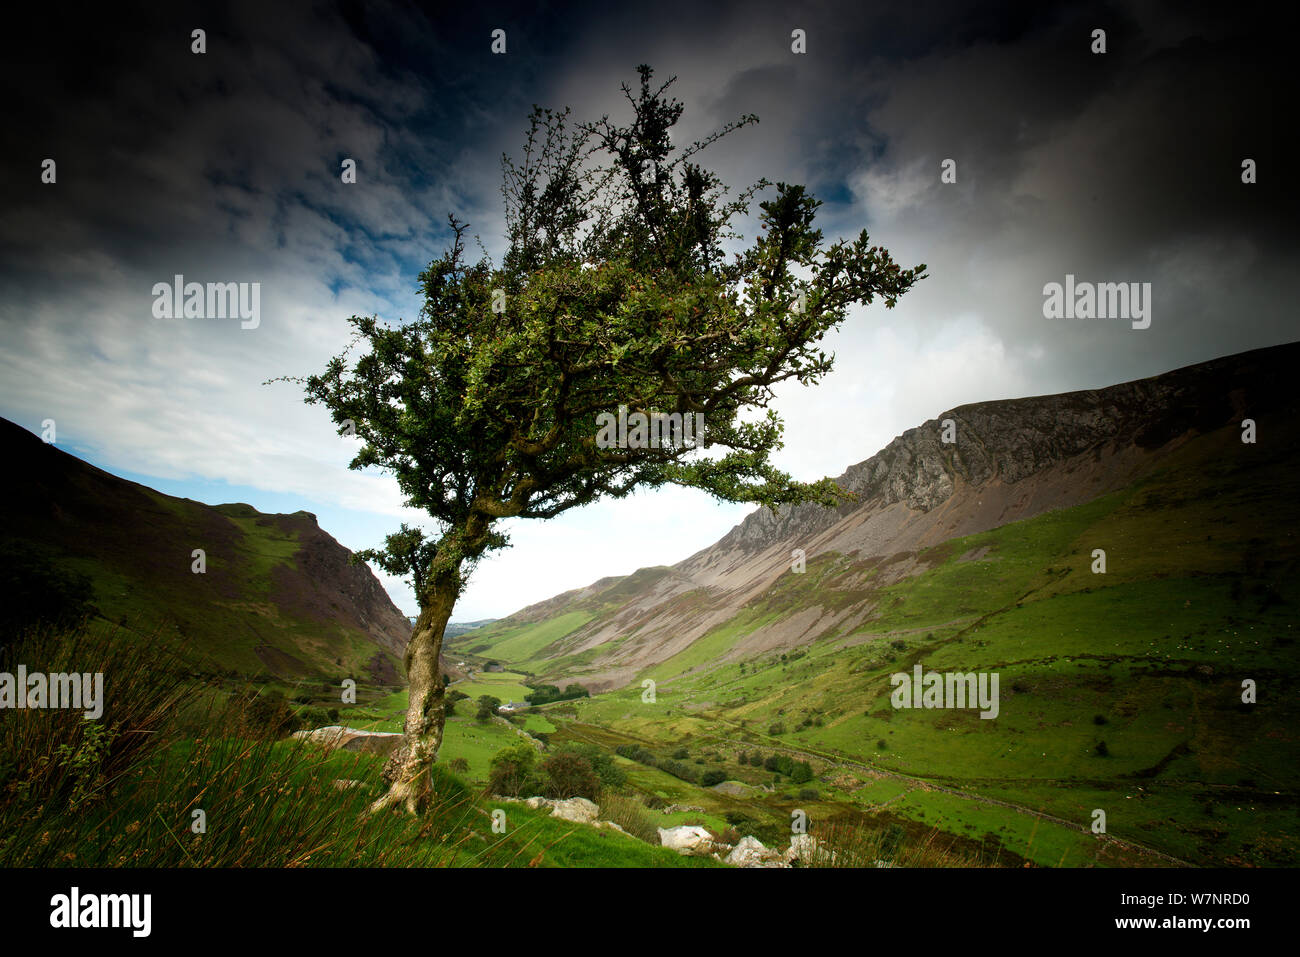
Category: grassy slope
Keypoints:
(1200, 592)
(222, 627)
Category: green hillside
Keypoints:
(1119, 691)
(277, 596)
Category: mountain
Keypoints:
(1012, 460)
(279, 595)
(1123, 562)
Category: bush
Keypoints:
(567, 774)
(1102, 750)
(882, 744)
(781, 764)
(602, 763)
(458, 766)
(776, 729)
(487, 707)
(314, 717)
(513, 772)
(709, 778)
(545, 694)
(679, 770)
(808, 794)
(268, 715)
(801, 772)
(681, 754)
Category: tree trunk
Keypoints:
(407, 771)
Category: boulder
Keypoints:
(805, 851)
(732, 788)
(576, 809)
(750, 852)
(686, 839)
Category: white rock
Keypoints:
(576, 809)
(686, 839)
(750, 852)
(805, 850)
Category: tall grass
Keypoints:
(631, 814)
(124, 790)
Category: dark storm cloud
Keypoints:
(1121, 167)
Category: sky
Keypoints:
(224, 166)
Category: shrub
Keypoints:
(776, 729)
(268, 715)
(314, 717)
(681, 754)
(601, 761)
(709, 778)
(679, 770)
(567, 774)
(487, 707)
(513, 771)
(808, 794)
(458, 766)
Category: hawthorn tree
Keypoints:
(614, 291)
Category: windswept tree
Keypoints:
(614, 300)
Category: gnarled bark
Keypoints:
(407, 771)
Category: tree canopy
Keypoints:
(616, 295)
